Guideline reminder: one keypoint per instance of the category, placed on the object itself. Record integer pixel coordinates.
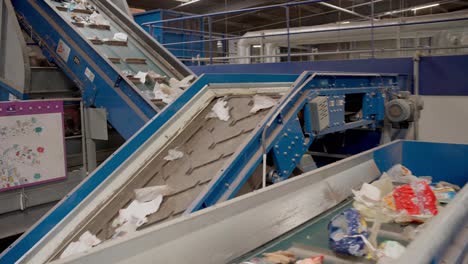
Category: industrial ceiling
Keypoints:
(303, 15)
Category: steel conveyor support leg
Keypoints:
(90, 144)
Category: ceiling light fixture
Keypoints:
(414, 9)
(424, 7)
(187, 2)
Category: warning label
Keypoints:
(63, 50)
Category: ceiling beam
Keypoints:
(268, 16)
(311, 9)
(236, 5)
(343, 10)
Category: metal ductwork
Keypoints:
(384, 29)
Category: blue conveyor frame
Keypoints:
(7, 88)
(128, 110)
(70, 201)
(305, 87)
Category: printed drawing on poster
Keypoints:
(32, 147)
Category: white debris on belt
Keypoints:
(147, 194)
(142, 76)
(262, 102)
(174, 154)
(98, 19)
(220, 110)
(120, 36)
(84, 243)
(165, 93)
(134, 216)
(182, 84)
(147, 201)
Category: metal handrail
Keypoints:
(326, 53)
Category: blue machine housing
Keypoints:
(286, 137)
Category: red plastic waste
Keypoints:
(416, 199)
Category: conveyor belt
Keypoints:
(206, 144)
(294, 215)
(126, 56)
(101, 66)
(209, 172)
(311, 239)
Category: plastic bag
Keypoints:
(399, 173)
(415, 199)
(346, 232)
(444, 194)
(384, 184)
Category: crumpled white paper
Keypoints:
(120, 36)
(220, 110)
(262, 102)
(166, 93)
(147, 201)
(368, 195)
(147, 194)
(98, 19)
(174, 154)
(84, 243)
(136, 212)
(142, 76)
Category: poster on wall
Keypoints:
(32, 147)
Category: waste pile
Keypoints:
(397, 198)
